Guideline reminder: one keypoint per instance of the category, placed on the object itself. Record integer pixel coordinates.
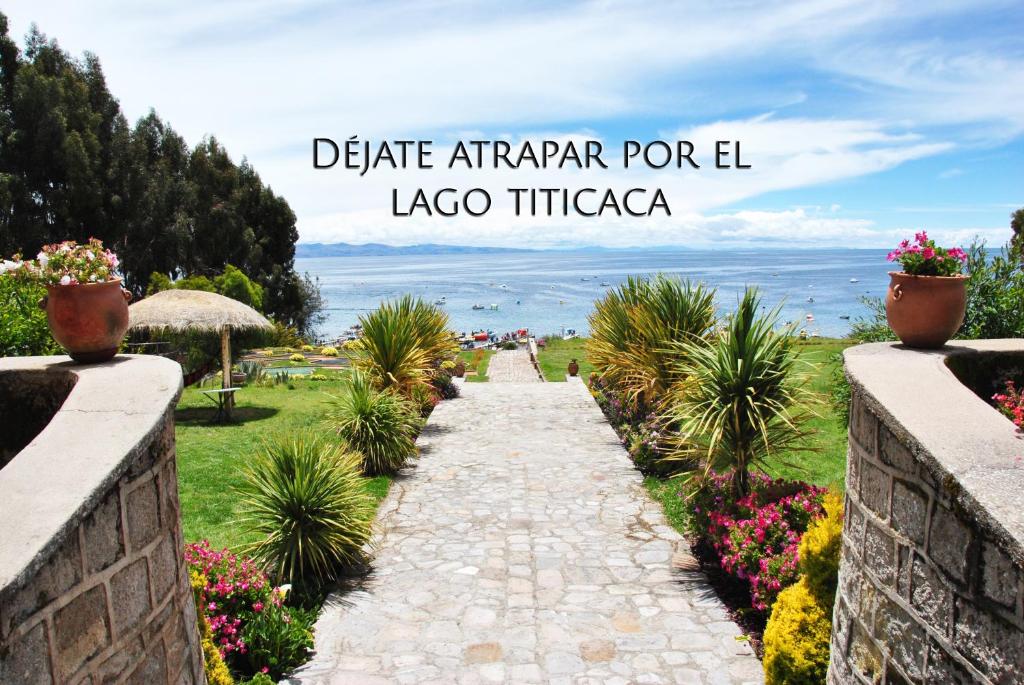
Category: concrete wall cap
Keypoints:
(975, 452)
(113, 411)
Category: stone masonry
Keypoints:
(109, 599)
(928, 589)
(523, 548)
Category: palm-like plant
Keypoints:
(306, 499)
(743, 398)
(638, 331)
(379, 425)
(403, 342)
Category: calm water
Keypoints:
(551, 294)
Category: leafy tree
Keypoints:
(236, 285)
(23, 328)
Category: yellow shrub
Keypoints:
(329, 352)
(819, 549)
(267, 353)
(796, 640)
(217, 672)
(307, 348)
(297, 357)
(797, 637)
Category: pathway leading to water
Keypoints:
(511, 366)
(523, 549)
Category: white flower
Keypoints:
(7, 265)
(65, 280)
(89, 256)
(44, 259)
(92, 278)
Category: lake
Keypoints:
(550, 291)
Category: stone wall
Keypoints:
(106, 598)
(930, 583)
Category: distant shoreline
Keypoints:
(318, 250)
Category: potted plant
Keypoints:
(86, 307)
(574, 367)
(925, 303)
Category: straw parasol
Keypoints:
(182, 311)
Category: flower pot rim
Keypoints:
(957, 277)
(76, 285)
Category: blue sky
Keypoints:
(865, 121)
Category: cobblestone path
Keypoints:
(511, 366)
(523, 549)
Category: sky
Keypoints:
(863, 121)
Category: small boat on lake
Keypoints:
(605, 284)
(810, 299)
(478, 307)
(443, 301)
(854, 280)
(844, 317)
(494, 307)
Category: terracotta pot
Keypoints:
(574, 368)
(89, 320)
(925, 311)
(460, 369)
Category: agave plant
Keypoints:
(306, 498)
(639, 331)
(378, 425)
(743, 399)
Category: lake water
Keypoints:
(544, 291)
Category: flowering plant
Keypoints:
(924, 258)
(757, 537)
(245, 613)
(1011, 404)
(66, 263)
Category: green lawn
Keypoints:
(212, 457)
(469, 358)
(554, 358)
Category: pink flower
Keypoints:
(257, 607)
(928, 253)
(65, 280)
(921, 238)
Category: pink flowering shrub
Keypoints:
(66, 263)
(1011, 404)
(756, 538)
(924, 258)
(640, 431)
(250, 624)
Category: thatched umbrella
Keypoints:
(183, 311)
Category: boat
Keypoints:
(481, 336)
(810, 299)
(518, 302)
(844, 317)
(494, 307)
(441, 302)
(809, 317)
(605, 284)
(504, 287)
(854, 280)
(478, 306)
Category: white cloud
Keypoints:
(266, 77)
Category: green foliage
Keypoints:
(277, 638)
(158, 283)
(236, 285)
(73, 167)
(196, 282)
(403, 342)
(306, 499)
(839, 389)
(743, 400)
(23, 327)
(798, 634)
(995, 291)
(874, 327)
(642, 330)
(216, 670)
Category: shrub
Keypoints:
(389, 351)
(636, 331)
(243, 620)
(267, 353)
(444, 385)
(756, 537)
(509, 345)
(307, 348)
(329, 351)
(297, 357)
(305, 498)
(378, 425)
(797, 637)
(839, 389)
(743, 400)
(23, 327)
(254, 372)
(424, 398)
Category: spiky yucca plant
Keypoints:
(379, 425)
(306, 498)
(637, 331)
(743, 398)
(402, 344)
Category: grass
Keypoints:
(556, 354)
(213, 457)
(480, 369)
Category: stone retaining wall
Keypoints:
(930, 583)
(105, 597)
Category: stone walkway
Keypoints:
(511, 366)
(523, 549)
